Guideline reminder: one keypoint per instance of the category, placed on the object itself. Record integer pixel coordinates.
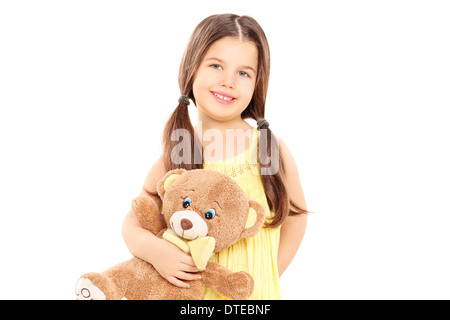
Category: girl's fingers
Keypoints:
(189, 268)
(177, 282)
(189, 276)
(187, 260)
(186, 276)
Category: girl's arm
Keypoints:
(293, 228)
(171, 262)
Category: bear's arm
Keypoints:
(148, 214)
(234, 285)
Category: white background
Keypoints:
(359, 92)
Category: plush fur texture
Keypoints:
(222, 207)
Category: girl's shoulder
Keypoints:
(291, 174)
(290, 165)
(155, 173)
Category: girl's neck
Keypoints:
(226, 138)
(234, 124)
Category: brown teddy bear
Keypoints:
(206, 212)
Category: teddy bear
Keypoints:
(203, 212)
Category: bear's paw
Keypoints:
(86, 290)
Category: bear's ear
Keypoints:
(167, 180)
(255, 219)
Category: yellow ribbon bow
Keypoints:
(200, 249)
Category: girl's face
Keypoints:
(225, 80)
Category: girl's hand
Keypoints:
(173, 264)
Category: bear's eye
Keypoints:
(186, 202)
(210, 214)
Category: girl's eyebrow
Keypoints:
(213, 58)
(221, 61)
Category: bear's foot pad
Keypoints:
(86, 290)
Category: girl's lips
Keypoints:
(223, 97)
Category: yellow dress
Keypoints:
(257, 255)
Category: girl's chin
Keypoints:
(219, 114)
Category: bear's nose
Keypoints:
(185, 224)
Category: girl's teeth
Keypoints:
(222, 97)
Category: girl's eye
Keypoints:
(187, 202)
(243, 73)
(215, 66)
(210, 214)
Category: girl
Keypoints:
(225, 73)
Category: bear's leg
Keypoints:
(96, 286)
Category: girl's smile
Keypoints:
(223, 97)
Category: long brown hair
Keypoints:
(205, 34)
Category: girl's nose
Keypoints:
(228, 80)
